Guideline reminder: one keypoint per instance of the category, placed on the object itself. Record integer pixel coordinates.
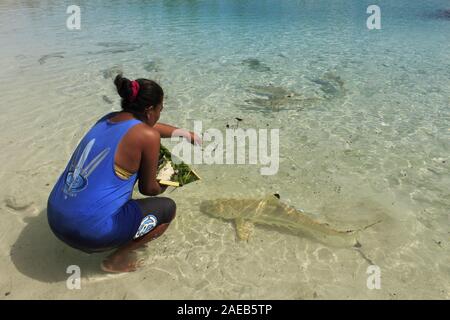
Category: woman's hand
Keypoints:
(193, 138)
(168, 131)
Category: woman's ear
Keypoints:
(147, 110)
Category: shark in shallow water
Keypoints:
(270, 211)
(273, 98)
(331, 84)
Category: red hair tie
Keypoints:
(135, 90)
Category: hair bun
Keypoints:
(123, 86)
(139, 94)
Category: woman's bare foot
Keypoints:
(125, 258)
(121, 262)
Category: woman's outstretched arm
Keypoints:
(168, 131)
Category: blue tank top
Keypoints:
(88, 193)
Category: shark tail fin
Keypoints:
(358, 231)
(370, 225)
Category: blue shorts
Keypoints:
(127, 224)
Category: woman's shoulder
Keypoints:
(141, 136)
(145, 132)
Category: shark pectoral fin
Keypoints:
(244, 229)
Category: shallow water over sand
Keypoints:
(365, 136)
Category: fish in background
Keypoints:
(443, 14)
(45, 57)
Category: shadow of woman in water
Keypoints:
(38, 254)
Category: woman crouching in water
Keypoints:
(90, 207)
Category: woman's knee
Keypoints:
(171, 208)
(163, 208)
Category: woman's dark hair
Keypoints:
(150, 94)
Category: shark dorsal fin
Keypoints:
(271, 199)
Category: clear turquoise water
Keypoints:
(376, 146)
